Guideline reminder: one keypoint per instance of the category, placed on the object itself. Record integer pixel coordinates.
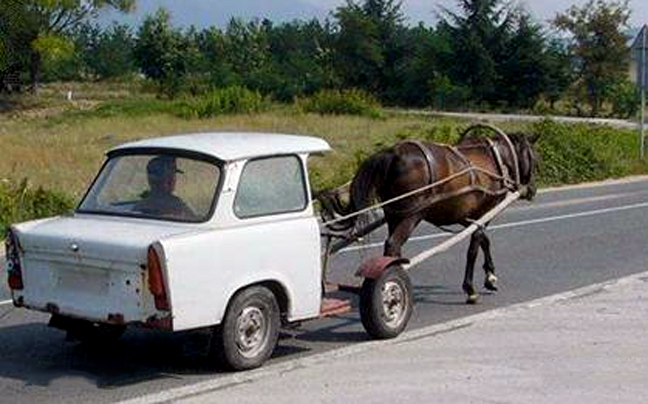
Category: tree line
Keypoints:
(488, 54)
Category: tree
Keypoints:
(247, 48)
(300, 60)
(599, 46)
(480, 32)
(37, 28)
(370, 45)
(559, 71)
(160, 52)
(110, 54)
(423, 72)
(524, 70)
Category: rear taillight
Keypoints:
(14, 268)
(156, 280)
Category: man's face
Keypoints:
(167, 185)
(162, 175)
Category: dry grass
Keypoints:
(65, 152)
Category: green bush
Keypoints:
(346, 102)
(445, 95)
(625, 98)
(20, 202)
(230, 100)
(577, 153)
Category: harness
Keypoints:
(508, 183)
(425, 151)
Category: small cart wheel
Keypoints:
(386, 303)
(248, 334)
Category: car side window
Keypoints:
(270, 186)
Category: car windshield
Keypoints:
(157, 186)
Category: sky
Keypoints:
(203, 13)
(542, 10)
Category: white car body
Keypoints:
(94, 267)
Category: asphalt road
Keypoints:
(564, 240)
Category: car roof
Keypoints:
(230, 146)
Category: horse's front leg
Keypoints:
(490, 282)
(471, 257)
(399, 231)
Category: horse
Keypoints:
(472, 178)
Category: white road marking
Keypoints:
(232, 380)
(516, 224)
(494, 227)
(576, 201)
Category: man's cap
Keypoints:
(161, 166)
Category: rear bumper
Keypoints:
(159, 321)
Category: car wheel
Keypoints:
(248, 334)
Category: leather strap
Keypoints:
(503, 169)
(429, 159)
(466, 162)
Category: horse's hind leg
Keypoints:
(490, 282)
(467, 286)
(399, 232)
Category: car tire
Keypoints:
(248, 334)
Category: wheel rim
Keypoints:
(251, 332)
(394, 303)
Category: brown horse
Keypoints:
(475, 176)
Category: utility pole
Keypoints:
(644, 73)
(639, 55)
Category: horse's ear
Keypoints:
(534, 138)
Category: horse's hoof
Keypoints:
(472, 299)
(491, 283)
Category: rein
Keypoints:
(439, 198)
(512, 185)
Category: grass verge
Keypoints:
(62, 153)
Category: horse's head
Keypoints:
(527, 162)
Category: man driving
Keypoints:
(160, 200)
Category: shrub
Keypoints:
(625, 98)
(230, 100)
(346, 102)
(445, 95)
(577, 153)
(20, 202)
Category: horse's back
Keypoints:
(460, 198)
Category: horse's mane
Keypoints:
(368, 178)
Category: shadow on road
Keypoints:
(38, 355)
(440, 295)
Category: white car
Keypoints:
(184, 232)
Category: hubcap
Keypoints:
(251, 332)
(394, 303)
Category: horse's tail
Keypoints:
(370, 177)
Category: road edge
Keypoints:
(595, 184)
(235, 379)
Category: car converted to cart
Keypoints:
(192, 231)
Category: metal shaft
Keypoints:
(644, 73)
